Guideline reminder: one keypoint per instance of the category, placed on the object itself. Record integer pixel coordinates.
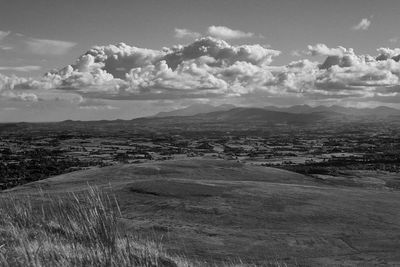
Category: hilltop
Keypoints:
(215, 210)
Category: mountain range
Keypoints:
(380, 111)
(194, 110)
(228, 111)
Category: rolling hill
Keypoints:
(215, 210)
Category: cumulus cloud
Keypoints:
(20, 96)
(226, 33)
(346, 74)
(221, 52)
(8, 83)
(323, 50)
(27, 97)
(185, 33)
(388, 53)
(363, 25)
(201, 68)
(210, 68)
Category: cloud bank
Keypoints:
(210, 68)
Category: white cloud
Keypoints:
(226, 33)
(48, 47)
(198, 69)
(28, 97)
(220, 51)
(8, 83)
(87, 104)
(220, 32)
(185, 33)
(346, 74)
(4, 34)
(363, 25)
(21, 68)
(6, 47)
(296, 53)
(210, 68)
(19, 42)
(20, 96)
(388, 53)
(95, 104)
(323, 50)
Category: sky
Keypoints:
(101, 59)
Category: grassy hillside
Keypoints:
(216, 211)
(74, 231)
(81, 230)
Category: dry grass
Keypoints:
(76, 231)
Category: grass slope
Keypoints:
(214, 210)
(74, 231)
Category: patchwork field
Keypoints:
(214, 210)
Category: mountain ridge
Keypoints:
(198, 109)
(306, 109)
(194, 110)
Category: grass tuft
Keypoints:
(77, 230)
(72, 231)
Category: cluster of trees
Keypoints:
(332, 167)
(32, 166)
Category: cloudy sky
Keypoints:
(101, 59)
